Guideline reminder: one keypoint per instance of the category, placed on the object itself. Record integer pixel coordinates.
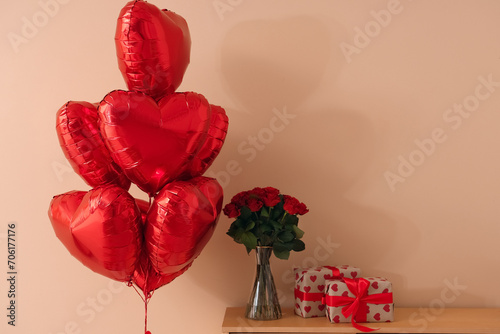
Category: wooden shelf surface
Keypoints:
(407, 320)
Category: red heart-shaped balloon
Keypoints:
(62, 209)
(101, 228)
(148, 280)
(81, 142)
(180, 222)
(143, 208)
(213, 143)
(156, 143)
(153, 48)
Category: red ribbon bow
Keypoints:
(357, 307)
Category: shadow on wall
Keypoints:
(264, 65)
(273, 63)
(340, 228)
(268, 64)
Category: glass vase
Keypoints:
(263, 303)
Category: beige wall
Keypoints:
(398, 180)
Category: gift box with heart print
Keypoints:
(367, 299)
(310, 287)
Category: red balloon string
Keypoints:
(130, 284)
(146, 316)
(147, 298)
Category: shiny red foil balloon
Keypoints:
(101, 228)
(62, 209)
(81, 142)
(153, 48)
(180, 222)
(148, 279)
(155, 143)
(210, 149)
(143, 208)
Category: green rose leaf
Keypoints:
(249, 240)
(277, 211)
(276, 226)
(264, 212)
(281, 251)
(245, 212)
(264, 228)
(291, 219)
(250, 226)
(298, 232)
(286, 236)
(298, 245)
(232, 230)
(284, 255)
(266, 240)
(237, 235)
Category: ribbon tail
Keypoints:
(361, 327)
(352, 310)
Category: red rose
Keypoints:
(271, 190)
(257, 192)
(254, 204)
(271, 196)
(302, 209)
(240, 199)
(231, 210)
(293, 206)
(289, 204)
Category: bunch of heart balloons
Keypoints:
(160, 140)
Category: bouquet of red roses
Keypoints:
(264, 217)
